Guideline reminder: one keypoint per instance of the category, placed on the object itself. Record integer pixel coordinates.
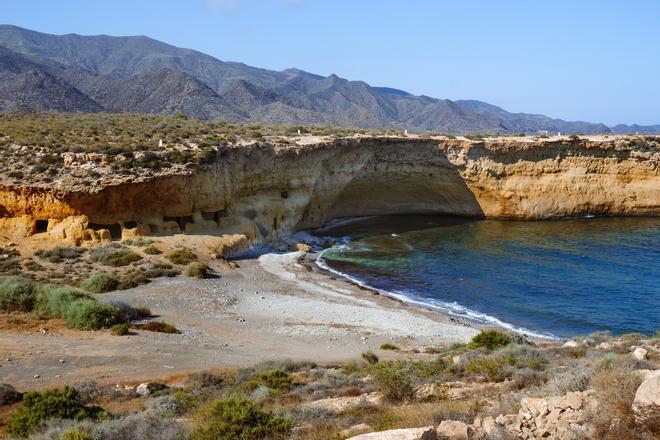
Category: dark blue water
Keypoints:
(559, 277)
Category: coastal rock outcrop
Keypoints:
(262, 192)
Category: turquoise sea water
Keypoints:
(555, 278)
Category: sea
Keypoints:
(550, 278)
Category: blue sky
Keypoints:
(588, 60)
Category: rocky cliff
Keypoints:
(264, 191)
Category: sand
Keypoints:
(279, 306)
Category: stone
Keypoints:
(426, 433)
(571, 344)
(648, 393)
(302, 247)
(338, 404)
(142, 390)
(640, 353)
(453, 429)
(260, 392)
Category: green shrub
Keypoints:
(489, 366)
(490, 339)
(161, 270)
(197, 270)
(51, 404)
(182, 256)
(120, 329)
(100, 282)
(139, 242)
(395, 381)
(276, 380)
(60, 253)
(77, 434)
(388, 346)
(87, 314)
(152, 250)
(370, 357)
(53, 302)
(17, 295)
(133, 278)
(114, 255)
(160, 327)
(235, 419)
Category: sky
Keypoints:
(597, 61)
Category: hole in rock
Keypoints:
(42, 226)
(181, 221)
(130, 225)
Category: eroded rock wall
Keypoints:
(264, 191)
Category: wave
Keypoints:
(451, 309)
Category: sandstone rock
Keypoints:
(555, 417)
(427, 433)
(452, 429)
(302, 247)
(70, 229)
(17, 227)
(640, 353)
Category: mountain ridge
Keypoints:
(139, 74)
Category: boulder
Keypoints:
(70, 229)
(143, 390)
(426, 433)
(647, 397)
(640, 353)
(338, 404)
(453, 430)
(17, 227)
(572, 344)
(302, 247)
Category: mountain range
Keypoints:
(74, 73)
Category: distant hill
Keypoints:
(642, 129)
(141, 75)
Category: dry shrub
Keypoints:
(616, 384)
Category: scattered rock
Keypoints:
(427, 433)
(338, 404)
(572, 344)
(260, 392)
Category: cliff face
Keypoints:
(265, 191)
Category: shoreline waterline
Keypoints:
(472, 316)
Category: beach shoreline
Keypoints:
(275, 307)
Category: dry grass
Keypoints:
(28, 323)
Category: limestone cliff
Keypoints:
(264, 191)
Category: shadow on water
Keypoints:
(364, 227)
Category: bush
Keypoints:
(489, 366)
(490, 339)
(276, 380)
(388, 346)
(40, 407)
(133, 278)
(161, 270)
(160, 327)
(53, 302)
(120, 329)
(60, 253)
(370, 357)
(139, 242)
(152, 250)
(17, 295)
(182, 256)
(87, 314)
(114, 255)
(395, 381)
(235, 419)
(197, 270)
(99, 283)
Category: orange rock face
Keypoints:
(261, 192)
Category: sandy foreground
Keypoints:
(279, 306)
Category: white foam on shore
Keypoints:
(452, 309)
